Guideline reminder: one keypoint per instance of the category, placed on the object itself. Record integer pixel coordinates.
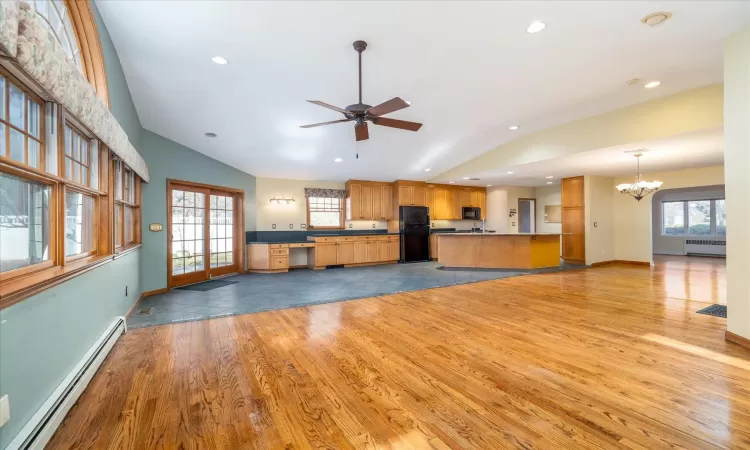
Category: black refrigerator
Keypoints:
(414, 228)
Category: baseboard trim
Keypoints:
(154, 292)
(43, 424)
(737, 339)
(621, 261)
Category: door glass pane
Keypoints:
(79, 223)
(721, 218)
(187, 232)
(221, 213)
(24, 222)
(699, 217)
(673, 218)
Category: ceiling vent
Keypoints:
(656, 18)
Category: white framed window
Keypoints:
(694, 218)
(325, 213)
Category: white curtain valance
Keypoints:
(40, 55)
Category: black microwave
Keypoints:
(471, 213)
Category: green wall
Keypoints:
(168, 159)
(43, 337)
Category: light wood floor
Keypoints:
(610, 357)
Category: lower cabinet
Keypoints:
(372, 251)
(384, 251)
(268, 257)
(326, 254)
(394, 250)
(345, 252)
(351, 250)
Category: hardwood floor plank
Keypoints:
(609, 357)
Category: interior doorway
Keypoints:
(205, 232)
(526, 215)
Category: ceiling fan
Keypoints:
(363, 113)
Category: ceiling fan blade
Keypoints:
(360, 131)
(324, 123)
(393, 123)
(326, 105)
(391, 105)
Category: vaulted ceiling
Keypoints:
(470, 70)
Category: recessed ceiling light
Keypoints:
(514, 127)
(652, 84)
(536, 26)
(656, 18)
(451, 182)
(337, 160)
(427, 170)
(211, 135)
(549, 177)
(549, 182)
(489, 185)
(219, 60)
(509, 173)
(466, 178)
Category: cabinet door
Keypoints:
(384, 250)
(405, 195)
(418, 196)
(429, 201)
(482, 202)
(366, 212)
(394, 250)
(441, 205)
(345, 253)
(377, 203)
(574, 234)
(454, 205)
(325, 254)
(386, 205)
(372, 251)
(464, 198)
(572, 192)
(433, 246)
(360, 253)
(355, 202)
(475, 198)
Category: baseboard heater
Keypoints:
(40, 428)
(704, 247)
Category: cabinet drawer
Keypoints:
(325, 239)
(279, 245)
(280, 251)
(369, 238)
(393, 237)
(346, 239)
(279, 262)
(302, 245)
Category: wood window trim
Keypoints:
(18, 84)
(87, 34)
(342, 217)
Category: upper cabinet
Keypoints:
(368, 200)
(373, 200)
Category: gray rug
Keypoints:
(714, 310)
(207, 285)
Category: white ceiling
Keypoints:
(469, 69)
(698, 149)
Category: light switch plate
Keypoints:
(4, 410)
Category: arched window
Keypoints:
(57, 18)
(73, 24)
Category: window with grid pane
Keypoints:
(78, 167)
(325, 212)
(25, 220)
(187, 231)
(20, 125)
(56, 17)
(80, 224)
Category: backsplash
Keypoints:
(294, 236)
(457, 224)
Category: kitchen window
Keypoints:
(127, 207)
(694, 218)
(325, 213)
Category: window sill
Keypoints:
(122, 251)
(21, 288)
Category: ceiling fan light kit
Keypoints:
(361, 113)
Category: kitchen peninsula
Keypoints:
(499, 250)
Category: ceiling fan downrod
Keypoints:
(360, 46)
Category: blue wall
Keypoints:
(43, 337)
(168, 159)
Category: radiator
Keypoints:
(42, 425)
(705, 247)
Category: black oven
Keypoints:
(470, 213)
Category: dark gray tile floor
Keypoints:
(265, 292)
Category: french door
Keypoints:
(205, 232)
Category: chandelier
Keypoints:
(639, 188)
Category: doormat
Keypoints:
(207, 285)
(714, 310)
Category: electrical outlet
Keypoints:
(350, 225)
(373, 225)
(4, 410)
(273, 226)
(291, 227)
(302, 226)
(596, 224)
(514, 224)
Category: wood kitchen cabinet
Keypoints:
(410, 193)
(464, 198)
(394, 249)
(386, 205)
(326, 254)
(372, 251)
(345, 252)
(369, 200)
(360, 256)
(366, 208)
(429, 201)
(353, 250)
(384, 250)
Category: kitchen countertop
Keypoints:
(352, 234)
(502, 234)
(277, 242)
